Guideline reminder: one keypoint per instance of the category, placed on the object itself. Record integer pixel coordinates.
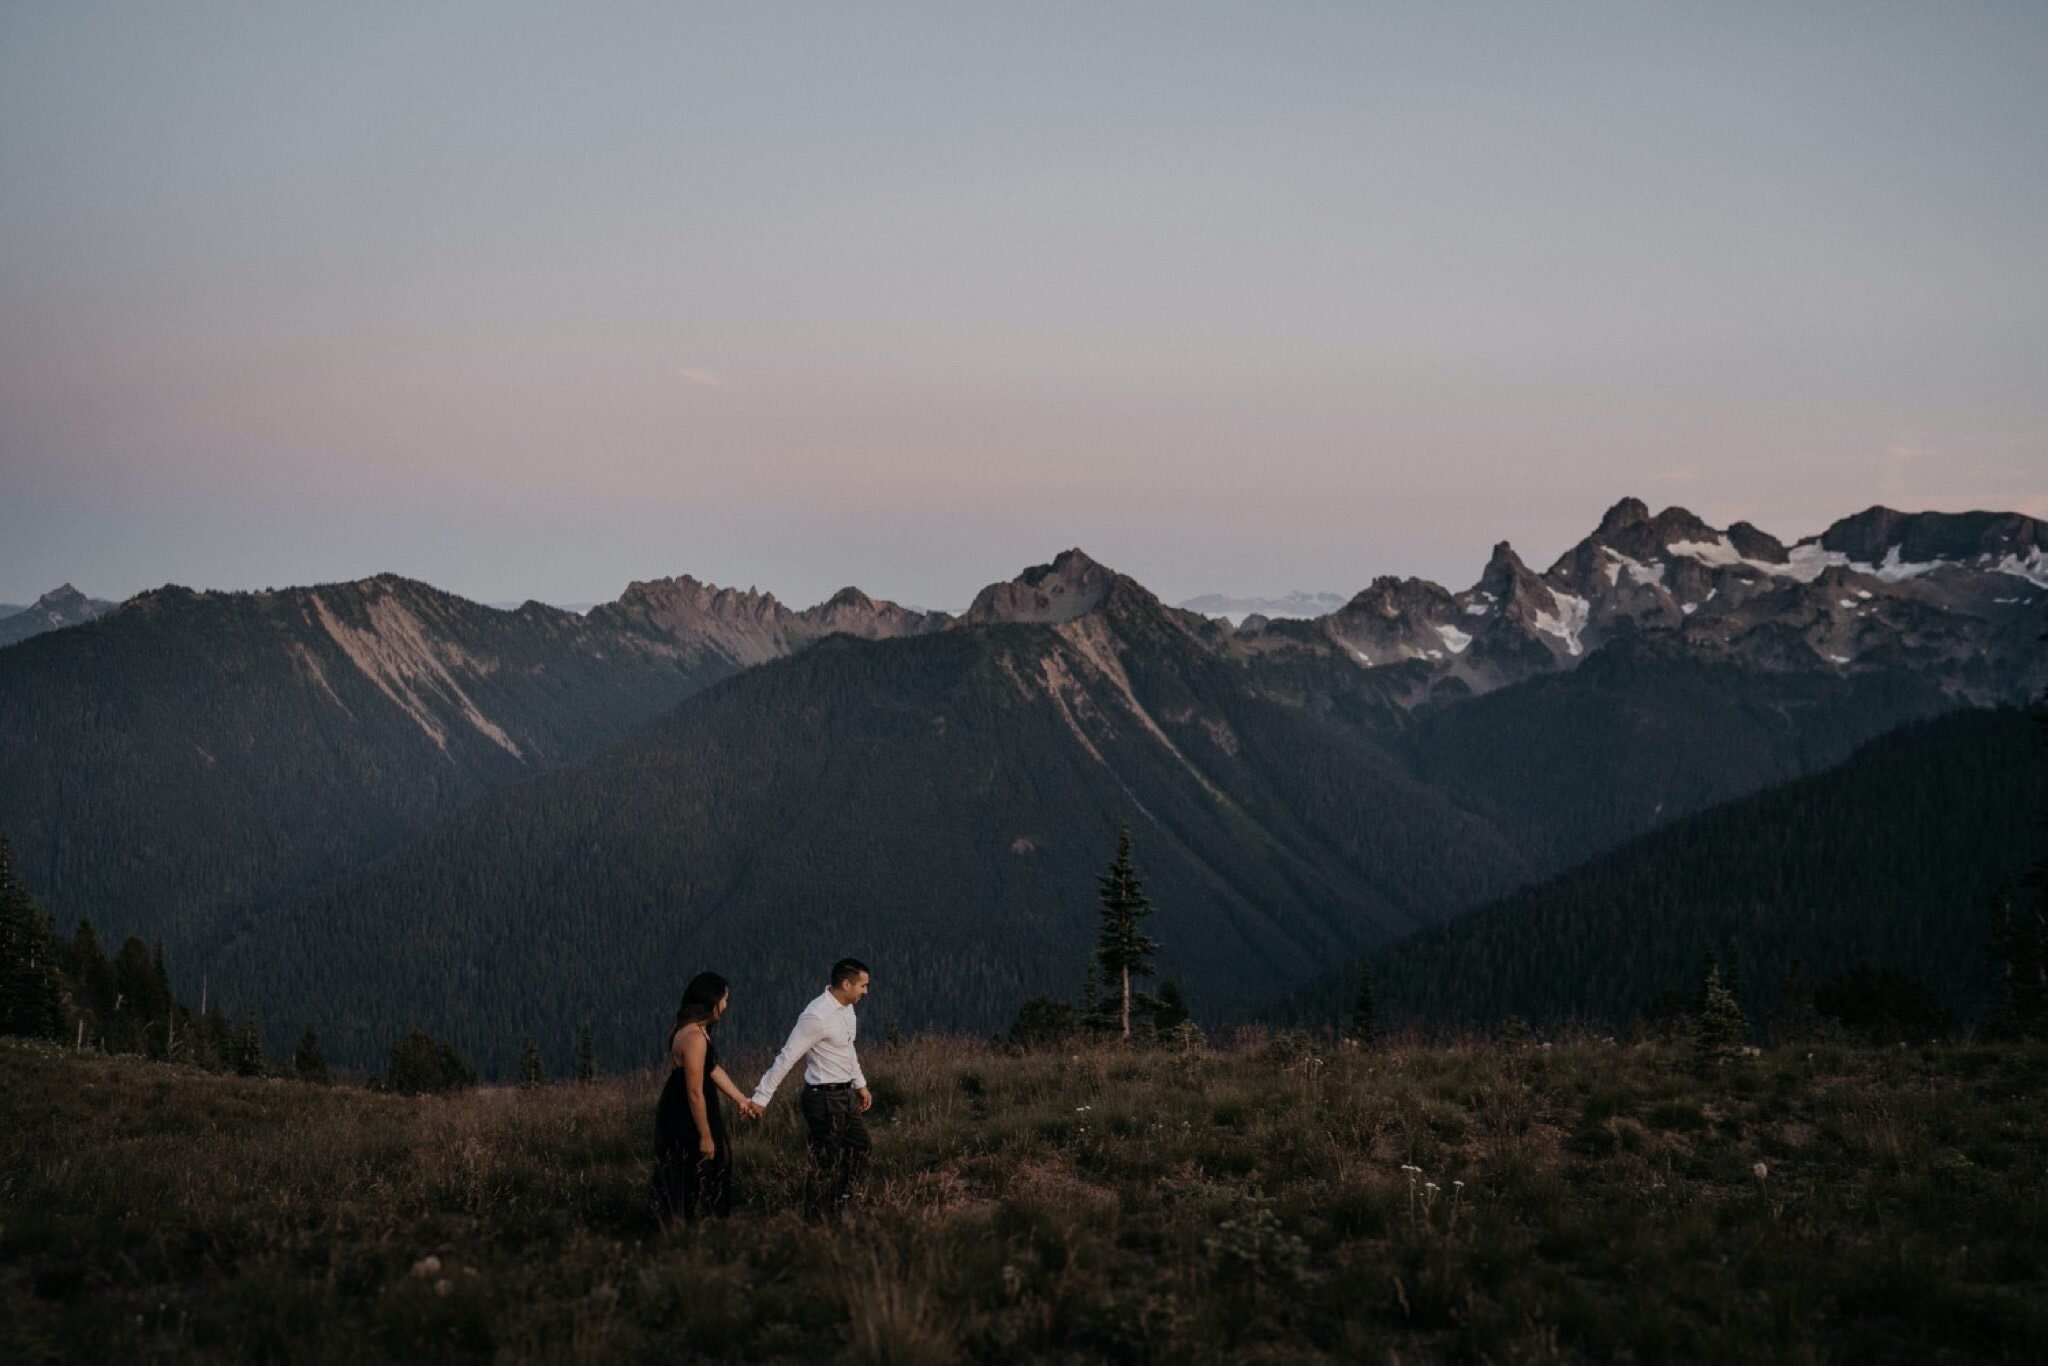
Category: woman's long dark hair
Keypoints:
(700, 1001)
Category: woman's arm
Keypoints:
(690, 1045)
(733, 1093)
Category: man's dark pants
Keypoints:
(839, 1146)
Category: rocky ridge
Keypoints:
(54, 610)
(1956, 596)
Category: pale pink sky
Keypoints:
(531, 302)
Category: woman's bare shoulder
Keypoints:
(689, 1038)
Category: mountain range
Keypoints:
(53, 611)
(1891, 859)
(374, 804)
(1236, 610)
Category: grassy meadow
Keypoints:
(1587, 1201)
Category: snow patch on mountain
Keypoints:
(2034, 568)
(1567, 622)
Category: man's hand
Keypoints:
(750, 1110)
(866, 1100)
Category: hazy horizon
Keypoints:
(529, 303)
(959, 601)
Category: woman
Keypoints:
(693, 1175)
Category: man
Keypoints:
(835, 1091)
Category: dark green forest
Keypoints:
(346, 843)
(924, 804)
(1895, 859)
(68, 988)
(198, 754)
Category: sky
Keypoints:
(532, 301)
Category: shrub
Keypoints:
(1883, 1005)
(1042, 1020)
(421, 1063)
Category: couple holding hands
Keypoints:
(693, 1172)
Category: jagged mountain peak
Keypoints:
(1623, 515)
(1629, 528)
(62, 606)
(687, 588)
(1073, 585)
(1880, 534)
(849, 596)
(1753, 544)
(1391, 595)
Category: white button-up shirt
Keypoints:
(824, 1035)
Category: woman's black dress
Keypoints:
(688, 1185)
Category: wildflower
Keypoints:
(1083, 1109)
(1761, 1171)
(444, 1288)
(427, 1266)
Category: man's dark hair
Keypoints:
(846, 969)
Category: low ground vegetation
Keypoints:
(1276, 1200)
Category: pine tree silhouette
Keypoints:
(1720, 1029)
(307, 1060)
(1365, 1018)
(1123, 950)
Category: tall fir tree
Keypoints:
(530, 1074)
(245, 1046)
(1122, 949)
(307, 1059)
(2017, 959)
(1365, 1015)
(1169, 1008)
(586, 1055)
(1720, 1029)
(28, 959)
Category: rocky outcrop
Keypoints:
(53, 611)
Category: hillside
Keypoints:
(1582, 1204)
(1890, 858)
(938, 806)
(193, 753)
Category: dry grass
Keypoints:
(1462, 1203)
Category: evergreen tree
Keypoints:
(1794, 1018)
(28, 966)
(1042, 1020)
(1720, 1028)
(92, 981)
(1121, 948)
(530, 1074)
(212, 1039)
(245, 1046)
(421, 1064)
(136, 1008)
(1883, 1005)
(1365, 1016)
(1096, 1016)
(1169, 1008)
(2017, 956)
(586, 1055)
(307, 1060)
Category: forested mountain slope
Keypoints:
(939, 806)
(195, 752)
(1892, 858)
